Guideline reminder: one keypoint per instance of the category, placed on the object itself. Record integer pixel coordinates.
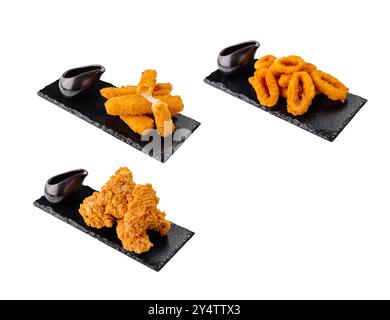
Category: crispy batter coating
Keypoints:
(283, 92)
(147, 82)
(117, 192)
(162, 89)
(112, 92)
(159, 90)
(130, 105)
(266, 87)
(101, 208)
(309, 67)
(329, 86)
(142, 215)
(139, 124)
(264, 62)
(284, 80)
(93, 212)
(288, 65)
(163, 118)
(175, 104)
(300, 93)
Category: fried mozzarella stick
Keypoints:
(130, 105)
(160, 89)
(147, 82)
(163, 118)
(112, 92)
(175, 104)
(139, 124)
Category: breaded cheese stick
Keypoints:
(160, 89)
(130, 105)
(175, 104)
(139, 124)
(147, 82)
(163, 118)
(112, 92)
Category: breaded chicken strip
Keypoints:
(139, 124)
(175, 104)
(159, 90)
(142, 215)
(130, 105)
(147, 82)
(163, 118)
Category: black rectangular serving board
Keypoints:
(156, 258)
(91, 109)
(325, 118)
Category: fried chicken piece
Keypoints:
(163, 118)
(159, 90)
(129, 105)
(147, 82)
(139, 124)
(142, 215)
(175, 104)
(101, 208)
(93, 210)
(117, 192)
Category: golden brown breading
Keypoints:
(175, 104)
(163, 118)
(162, 89)
(266, 87)
(329, 86)
(130, 105)
(101, 208)
(142, 215)
(159, 90)
(300, 93)
(93, 210)
(288, 65)
(284, 80)
(147, 82)
(117, 192)
(112, 92)
(264, 62)
(139, 124)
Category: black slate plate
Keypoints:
(164, 247)
(325, 118)
(91, 109)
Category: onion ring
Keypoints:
(284, 80)
(309, 67)
(266, 87)
(300, 93)
(265, 62)
(329, 86)
(288, 65)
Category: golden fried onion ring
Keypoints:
(288, 65)
(266, 87)
(265, 62)
(300, 93)
(329, 86)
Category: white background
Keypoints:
(277, 211)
